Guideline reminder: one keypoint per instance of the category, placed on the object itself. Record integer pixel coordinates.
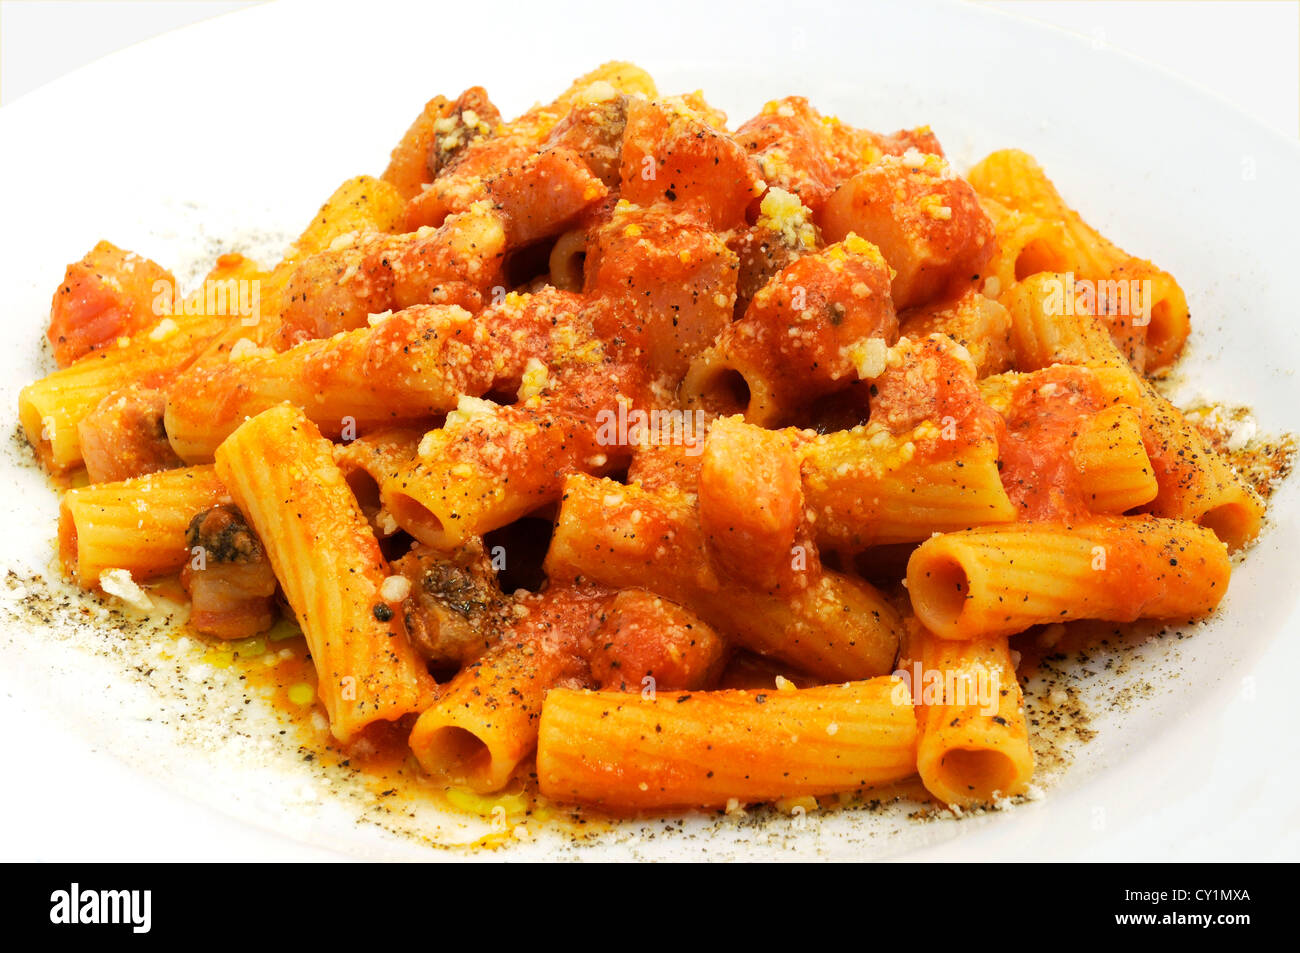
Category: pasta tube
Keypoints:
(974, 742)
(992, 581)
(138, 524)
(705, 749)
(282, 474)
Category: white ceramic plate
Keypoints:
(230, 133)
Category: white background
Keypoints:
(1246, 51)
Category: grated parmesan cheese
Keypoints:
(346, 240)
(243, 350)
(783, 213)
(395, 589)
(467, 408)
(386, 523)
(870, 357)
(118, 583)
(598, 92)
(166, 328)
(535, 379)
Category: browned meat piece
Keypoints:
(455, 611)
(229, 578)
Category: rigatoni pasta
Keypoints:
(973, 739)
(414, 364)
(1000, 580)
(706, 749)
(136, 525)
(576, 441)
(1193, 481)
(485, 720)
(329, 564)
(620, 536)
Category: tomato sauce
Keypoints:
(1036, 442)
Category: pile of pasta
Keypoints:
(810, 425)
